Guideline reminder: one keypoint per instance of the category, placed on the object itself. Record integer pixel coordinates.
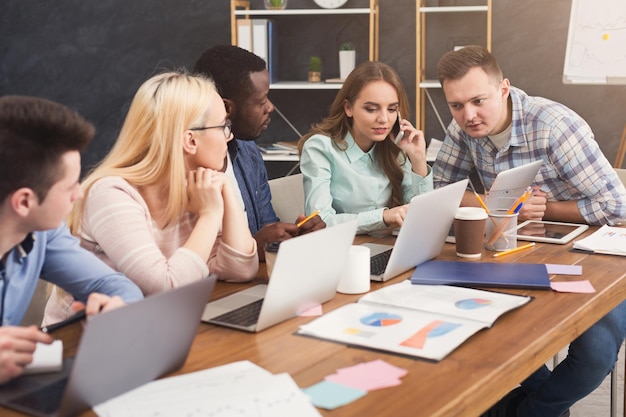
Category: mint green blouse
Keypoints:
(350, 184)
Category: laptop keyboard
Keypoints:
(378, 262)
(46, 399)
(243, 316)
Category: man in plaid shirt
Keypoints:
(497, 127)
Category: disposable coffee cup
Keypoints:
(469, 231)
(271, 250)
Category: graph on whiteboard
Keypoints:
(596, 43)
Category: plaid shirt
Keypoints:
(574, 167)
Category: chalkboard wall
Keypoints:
(92, 55)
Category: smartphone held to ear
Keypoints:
(397, 134)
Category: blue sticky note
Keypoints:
(329, 395)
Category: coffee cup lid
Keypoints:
(470, 213)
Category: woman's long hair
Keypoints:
(337, 124)
(149, 148)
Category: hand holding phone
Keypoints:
(396, 133)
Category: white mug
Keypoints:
(355, 278)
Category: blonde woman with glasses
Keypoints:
(159, 207)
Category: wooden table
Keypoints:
(465, 383)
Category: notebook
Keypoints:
(306, 273)
(511, 184)
(119, 350)
(422, 234)
(482, 274)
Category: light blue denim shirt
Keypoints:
(351, 184)
(56, 256)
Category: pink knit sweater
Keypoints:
(118, 228)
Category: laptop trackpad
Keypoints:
(376, 248)
(233, 301)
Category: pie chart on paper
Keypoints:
(381, 319)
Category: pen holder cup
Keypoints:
(501, 232)
(469, 231)
(271, 250)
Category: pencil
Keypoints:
(480, 200)
(520, 201)
(72, 319)
(519, 248)
(307, 218)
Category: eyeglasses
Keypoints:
(227, 127)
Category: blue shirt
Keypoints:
(574, 167)
(57, 257)
(251, 176)
(351, 184)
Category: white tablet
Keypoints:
(510, 184)
(549, 232)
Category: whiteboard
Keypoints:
(596, 43)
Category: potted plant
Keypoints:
(347, 59)
(315, 69)
(275, 4)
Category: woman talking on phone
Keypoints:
(355, 164)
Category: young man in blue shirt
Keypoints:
(497, 127)
(40, 144)
(243, 82)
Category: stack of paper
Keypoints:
(607, 239)
(278, 149)
(433, 149)
(47, 358)
(417, 320)
(237, 389)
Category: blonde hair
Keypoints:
(149, 150)
(337, 124)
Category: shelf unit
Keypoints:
(423, 84)
(241, 9)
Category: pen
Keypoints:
(520, 201)
(307, 218)
(515, 208)
(72, 319)
(519, 248)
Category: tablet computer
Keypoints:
(511, 184)
(549, 232)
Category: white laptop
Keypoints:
(306, 273)
(510, 185)
(422, 234)
(119, 350)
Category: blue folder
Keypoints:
(482, 274)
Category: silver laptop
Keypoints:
(119, 350)
(511, 184)
(306, 273)
(422, 234)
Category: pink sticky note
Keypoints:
(313, 311)
(564, 269)
(573, 286)
(368, 376)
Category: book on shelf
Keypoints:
(264, 42)
(244, 34)
(425, 321)
(279, 148)
(608, 240)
